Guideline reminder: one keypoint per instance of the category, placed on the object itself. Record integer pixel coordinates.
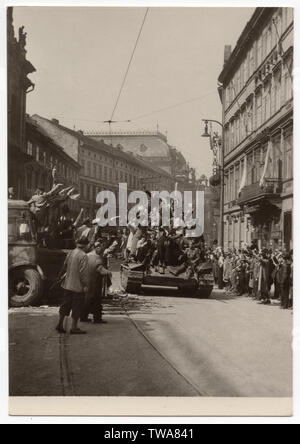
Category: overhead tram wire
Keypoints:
(175, 105)
(128, 67)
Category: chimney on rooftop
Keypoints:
(56, 121)
(227, 53)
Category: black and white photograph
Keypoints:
(150, 203)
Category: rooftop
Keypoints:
(126, 133)
(140, 143)
(34, 124)
(248, 34)
(108, 149)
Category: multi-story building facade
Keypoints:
(152, 147)
(104, 167)
(43, 156)
(18, 86)
(258, 127)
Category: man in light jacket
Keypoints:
(74, 285)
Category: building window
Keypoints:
(226, 188)
(238, 79)
(29, 148)
(89, 169)
(37, 153)
(278, 159)
(237, 181)
(227, 137)
(256, 166)
(242, 70)
(259, 50)
(95, 171)
(268, 102)
(259, 109)
(278, 21)
(277, 81)
(274, 37)
(249, 169)
(238, 123)
(266, 111)
(288, 150)
(269, 39)
(230, 185)
(99, 171)
(264, 44)
(287, 85)
(231, 135)
(251, 62)
(264, 150)
(249, 118)
(246, 69)
(244, 124)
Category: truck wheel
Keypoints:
(25, 287)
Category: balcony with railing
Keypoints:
(272, 188)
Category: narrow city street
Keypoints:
(156, 344)
(150, 207)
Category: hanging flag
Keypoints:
(263, 177)
(244, 177)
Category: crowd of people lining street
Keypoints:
(85, 277)
(261, 274)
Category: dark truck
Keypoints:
(32, 270)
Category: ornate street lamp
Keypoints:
(206, 130)
(220, 179)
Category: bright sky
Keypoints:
(81, 55)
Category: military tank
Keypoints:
(135, 277)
